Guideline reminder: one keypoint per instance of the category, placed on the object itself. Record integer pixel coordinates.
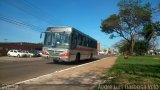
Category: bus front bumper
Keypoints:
(60, 59)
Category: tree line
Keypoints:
(135, 24)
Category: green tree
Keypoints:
(129, 22)
(122, 46)
(141, 48)
(149, 34)
(158, 28)
(150, 31)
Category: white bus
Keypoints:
(68, 44)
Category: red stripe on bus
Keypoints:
(84, 49)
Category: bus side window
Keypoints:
(87, 42)
(79, 39)
(73, 40)
(92, 44)
(83, 40)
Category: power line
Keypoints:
(27, 9)
(20, 23)
(37, 8)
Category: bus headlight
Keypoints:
(65, 54)
(45, 52)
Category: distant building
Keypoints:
(6, 46)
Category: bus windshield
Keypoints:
(57, 39)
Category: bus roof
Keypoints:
(83, 33)
(70, 29)
(59, 27)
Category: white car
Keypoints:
(16, 53)
(102, 53)
(28, 54)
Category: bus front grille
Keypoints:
(54, 53)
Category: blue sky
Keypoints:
(85, 15)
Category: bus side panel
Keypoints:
(73, 55)
(84, 54)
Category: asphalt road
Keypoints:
(13, 72)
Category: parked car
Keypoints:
(102, 53)
(16, 53)
(36, 53)
(28, 54)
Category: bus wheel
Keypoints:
(55, 61)
(78, 57)
(91, 56)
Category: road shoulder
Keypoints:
(85, 74)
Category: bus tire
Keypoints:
(91, 56)
(78, 56)
(55, 61)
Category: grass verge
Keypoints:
(137, 70)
